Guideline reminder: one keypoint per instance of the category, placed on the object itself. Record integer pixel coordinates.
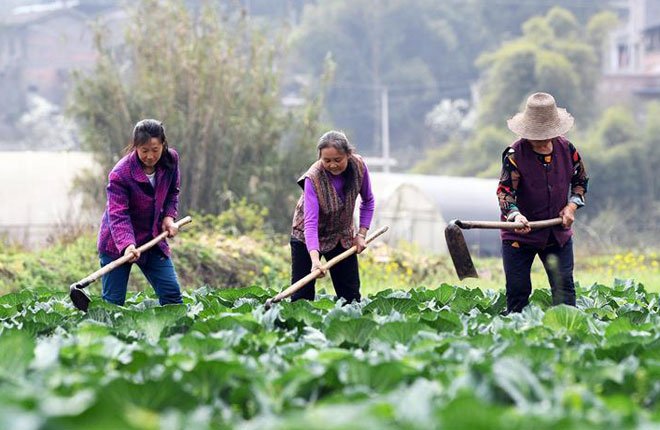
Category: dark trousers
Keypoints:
(558, 263)
(158, 270)
(345, 274)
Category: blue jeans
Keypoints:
(157, 268)
(558, 263)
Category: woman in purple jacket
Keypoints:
(143, 196)
(323, 220)
(543, 177)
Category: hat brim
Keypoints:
(526, 129)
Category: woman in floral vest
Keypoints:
(143, 196)
(323, 220)
(543, 177)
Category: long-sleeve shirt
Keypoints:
(510, 176)
(135, 209)
(312, 206)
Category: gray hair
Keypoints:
(335, 139)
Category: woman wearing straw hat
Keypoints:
(542, 177)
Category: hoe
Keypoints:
(317, 272)
(458, 249)
(77, 293)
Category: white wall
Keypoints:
(36, 194)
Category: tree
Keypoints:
(400, 45)
(624, 155)
(478, 154)
(214, 82)
(554, 54)
(421, 50)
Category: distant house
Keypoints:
(632, 61)
(40, 47)
(417, 209)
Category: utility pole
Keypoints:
(385, 128)
(384, 160)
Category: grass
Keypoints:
(267, 263)
(589, 269)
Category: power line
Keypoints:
(368, 106)
(573, 3)
(354, 84)
(404, 87)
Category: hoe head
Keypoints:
(79, 298)
(458, 249)
(269, 304)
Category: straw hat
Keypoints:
(541, 120)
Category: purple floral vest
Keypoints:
(542, 191)
(335, 216)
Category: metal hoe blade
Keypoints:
(460, 254)
(79, 298)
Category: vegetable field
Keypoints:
(418, 359)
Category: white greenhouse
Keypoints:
(417, 209)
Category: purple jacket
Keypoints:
(135, 210)
(542, 192)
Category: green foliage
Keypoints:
(423, 51)
(563, 23)
(215, 83)
(479, 155)
(620, 149)
(538, 30)
(16, 352)
(380, 47)
(241, 218)
(400, 359)
(623, 158)
(600, 26)
(206, 253)
(615, 127)
(551, 56)
(59, 265)
(565, 318)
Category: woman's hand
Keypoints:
(568, 215)
(132, 250)
(316, 262)
(360, 242)
(169, 226)
(522, 219)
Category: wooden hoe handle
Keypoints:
(317, 272)
(124, 259)
(466, 225)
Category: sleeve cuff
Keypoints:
(171, 213)
(577, 199)
(512, 216)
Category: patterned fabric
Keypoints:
(335, 215)
(135, 210)
(510, 177)
(542, 189)
(311, 208)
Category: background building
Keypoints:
(631, 66)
